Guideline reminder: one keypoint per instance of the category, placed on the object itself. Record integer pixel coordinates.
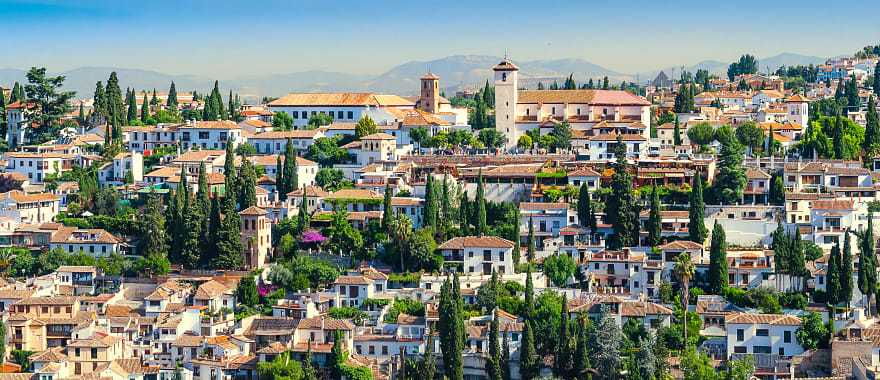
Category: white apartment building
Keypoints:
(16, 122)
(276, 142)
(305, 169)
(479, 254)
(210, 134)
(548, 218)
(38, 166)
(762, 334)
(29, 208)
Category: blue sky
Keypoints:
(230, 39)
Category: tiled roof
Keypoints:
(21, 197)
(70, 235)
(623, 137)
(476, 242)
(324, 323)
(681, 245)
(53, 301)
(280, 135)
(351, 280)
(253, 211)
(378, 136)
(339, 99)
(533, 206)
(597, 97)
(835, 204)
(764, 319)
(213, 124)
(210, 290)
(188, 340)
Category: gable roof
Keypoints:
(595, 97)
(476, 242)
(339, 99)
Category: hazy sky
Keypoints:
(230, 39)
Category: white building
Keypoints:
(479, 254)
(38, 166)
(16, 122)
(94, 242)
(210, 134)
(342, 106)
(762, 334)
(276, 142)
(29, 208)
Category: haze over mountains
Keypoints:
(456, 72)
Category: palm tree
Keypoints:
(400, 231)
(6, 257)
(684, 271)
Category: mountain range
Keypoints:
(456, 72)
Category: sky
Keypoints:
(234, 39)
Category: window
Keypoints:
(384, 350)
(761, 350)
(762, 332)
(740, 350)
(295, 114)
(786, 337)
(350, 115)
(372, 350)
(740, 335)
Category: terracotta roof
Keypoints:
(252, 211)
(354, 194)
(351, 280)
(378, 136)
(597, 97)
(210, 290)
(54, 301)
(623, 137)
(764, 319)
(537, 206)
(212, 124)
(339, 99)
(797, 98)
(477, 242)
(21, 197)
(505, 65)
(188, 340)
(70, 235)
(585, 172)
(835, 204)
(311, 191)
(416, 117)
(681, 245)
(278, 135)
(55, 354)
(273, 348)
(324, 323)
(755, 173)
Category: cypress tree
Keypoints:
(17, 94)
(450, 338)
(229, 246)
(387, 210)
(229, 171)
(676, 133)
(115, 101)
(563, 357)
(872, 128)
(833, 287)
(279, 179)
(232, 110)
(145, 110)
(302, 217)
(514, 234)
(493, 365)
(621, 205)
(99, 101)
(696, 227)
(247, 195)
(445, 221)
(81, 118)
(291, 176)
(529, 294)
(581, 359)
(132, 107)
(584, 206)
(846, 267)
(429, 211)
(505, 356)
(464, 215)
(530, 242)
(155, 238)
(718, 260)
(868, 263)
(654, 221)
(154, 101)
(481, 206)
(529, 364)
(171, 102)
(213, 234)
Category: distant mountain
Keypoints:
(788, 59)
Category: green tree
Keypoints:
(654, 222)
(696, 226)
(451, 329)
(525, 142)
(606, 344)
(387, 210)
(867, 280)
(171, 102)
(365, 127)
(419, 135)
(813, 332)
(342, 236)
(480, 222)
(833, 287)
(777, 190)
(51, 103)
(229, 247)
(246, 293)
(747, 64)
(282, 121)
(718, 260)
(529, 360)
(676, 133)
(431, 208)
(562, 361)
(561, 135)
(585, 212)
(154, 240)
(290, 177)
(17, 94)
(871, 143)
(750, 135)
(581, 358)
(559, 268)
(731, 179)
(493, 365)
(846, 267)
(491, 138)
(338, 356)
(621, 206)
(247, 185)
(701, 134)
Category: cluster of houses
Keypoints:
(78, 323)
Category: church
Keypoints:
(591, 113)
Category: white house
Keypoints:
(341, 106)
(749, 333)
(95, 242)
(38, 166)
(276, 142)
(479, 254)
(29, 208)
(210, 134)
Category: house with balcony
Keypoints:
(25, 208)
(548, 218)
(749, 269)
(830, 218)
(478, 254)
(619, 272)
(275, 142)
(649, 314)
(38, 167)
(757, 186)
(95, 242)
(81, 278)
